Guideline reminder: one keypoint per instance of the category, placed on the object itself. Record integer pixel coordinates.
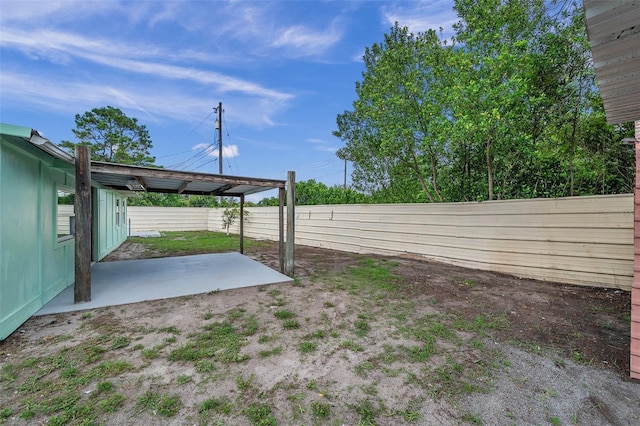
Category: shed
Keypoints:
(613, 28)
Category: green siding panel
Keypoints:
(35, 265)
(19, 246)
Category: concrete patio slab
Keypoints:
(131, 281)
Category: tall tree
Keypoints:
(394, 133)
(113, 137)
(491, 104)
(509, 109)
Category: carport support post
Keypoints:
(291, 218)
(281, 228)
(241, 223)
(82, 204)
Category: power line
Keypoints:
(229, 139)
(186, 162)
(189, 134)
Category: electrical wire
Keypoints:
(184, 164)
(229, 139)
(188, 134)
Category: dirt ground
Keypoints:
(432, 344)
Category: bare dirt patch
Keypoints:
(357, 339)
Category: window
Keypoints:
(65, 214)
(117, 212)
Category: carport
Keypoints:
(134, 281)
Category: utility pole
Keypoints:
(345, 175)
(219, 128)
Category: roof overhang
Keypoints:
(126, 178)
(613, 28)
(27, 134)
(150, 179)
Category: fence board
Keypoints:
(577, 240)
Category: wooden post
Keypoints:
(291, 219)
(82, 204)
(281, 229)
(241, 223)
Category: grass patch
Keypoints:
(351, 345)
(362, 327)
(120, 342)
(307, 347)
(372, 274)
(219, 341)
(163, 405)
(259, 413)
(284, 314)
(193, 242)
(290, 324)
(270, 352)
(151, 353)
(320, 410)
(112, 402)
(266, 338)
(367, 412)
(222, 405)
(481, 323)
(183, 379)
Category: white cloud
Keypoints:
(300, 40)
(62, 46)
(321, 145)
(72, 97)
(228, 151)
(422, 16)
(35, 13)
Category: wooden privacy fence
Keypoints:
(577, 240)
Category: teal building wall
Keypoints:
(35, 264)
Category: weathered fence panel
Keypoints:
(168, 218)
(579, 240)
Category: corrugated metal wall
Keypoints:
(579, 240)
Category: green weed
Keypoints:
(163, 405)
(320, 409)
(222, 405)
(260, 414)
(219, 341)
(284, 314)
(270, 352)
(112, 402)
(183, 379)
(120, 342)
(307, 347)
(290, 324)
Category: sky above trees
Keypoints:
(283, 71)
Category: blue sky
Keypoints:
(283, 71)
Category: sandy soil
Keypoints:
(436, 344)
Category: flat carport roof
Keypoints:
(150, 179)
(133, 281)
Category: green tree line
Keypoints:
(507, 108)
